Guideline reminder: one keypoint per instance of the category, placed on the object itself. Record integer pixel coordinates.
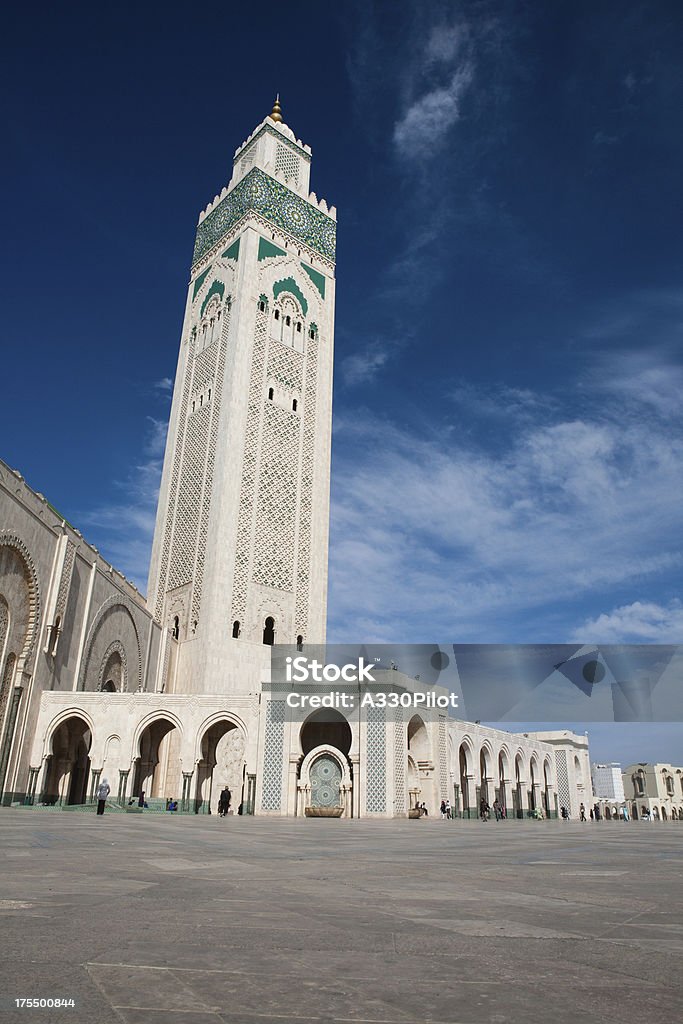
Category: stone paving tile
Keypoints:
(146, 988)
(343, 921)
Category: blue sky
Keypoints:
(507, 455)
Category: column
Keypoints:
(187, 783)
(94, 782)
(123, 785)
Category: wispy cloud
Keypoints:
(421, 130)
(362, 367)
(165, 385)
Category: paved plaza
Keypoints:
(151, 919)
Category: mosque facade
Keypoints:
(170, 695)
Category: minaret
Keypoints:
(239, 557)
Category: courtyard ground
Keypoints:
(153, 919)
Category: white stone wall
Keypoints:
(79, 611)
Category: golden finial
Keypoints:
(276, 112)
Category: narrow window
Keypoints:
(294, 403)
(236, 629)
(209, 394)
(311, 333)
(299, 643)
(269, 631)
(277, 314)
(262, 306)
(298, 327)
(193, 407)
(176, 628)
(201, 401)
(288, 320)
(270, 394)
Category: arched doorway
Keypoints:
(69, 767)
(326, 726)
(534, 784)
(157, 772)
(548, 803)
(503, 778)
(485, 775)
(325, 773)
(518, 792)
(466, 774)
(222, 764)
(420, 752)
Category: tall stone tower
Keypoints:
(239, 559)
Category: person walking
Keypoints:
(582, 813)
(442, 808)
(565, 813)
(103, 791)
(496, 809)
(484, 809)
(224, 802)
(449, 812)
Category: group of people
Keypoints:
(499, 809)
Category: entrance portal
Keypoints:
(67, 776)
(158, 762)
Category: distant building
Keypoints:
(655, 788)
(607, 782)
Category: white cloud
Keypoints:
(362, 367)
(429, 118)
(639, 622)
(432, 538)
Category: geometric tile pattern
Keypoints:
(399, 762)
(375, 776)
(562, 778)
(271, 793)
(258, 193)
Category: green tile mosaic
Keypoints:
(316, 277)
(263, 195)
(267, 249)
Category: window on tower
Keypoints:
(271, 394)
(294, 404)
(300, 642)
(269, 631)
(277, 314)
(236, 629)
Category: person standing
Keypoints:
(103, 791)
(484, 809)
(496, 809)
(449, 813)
(582, 813)
(443, 809)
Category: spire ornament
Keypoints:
(276, 112)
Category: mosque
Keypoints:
(171, 695)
